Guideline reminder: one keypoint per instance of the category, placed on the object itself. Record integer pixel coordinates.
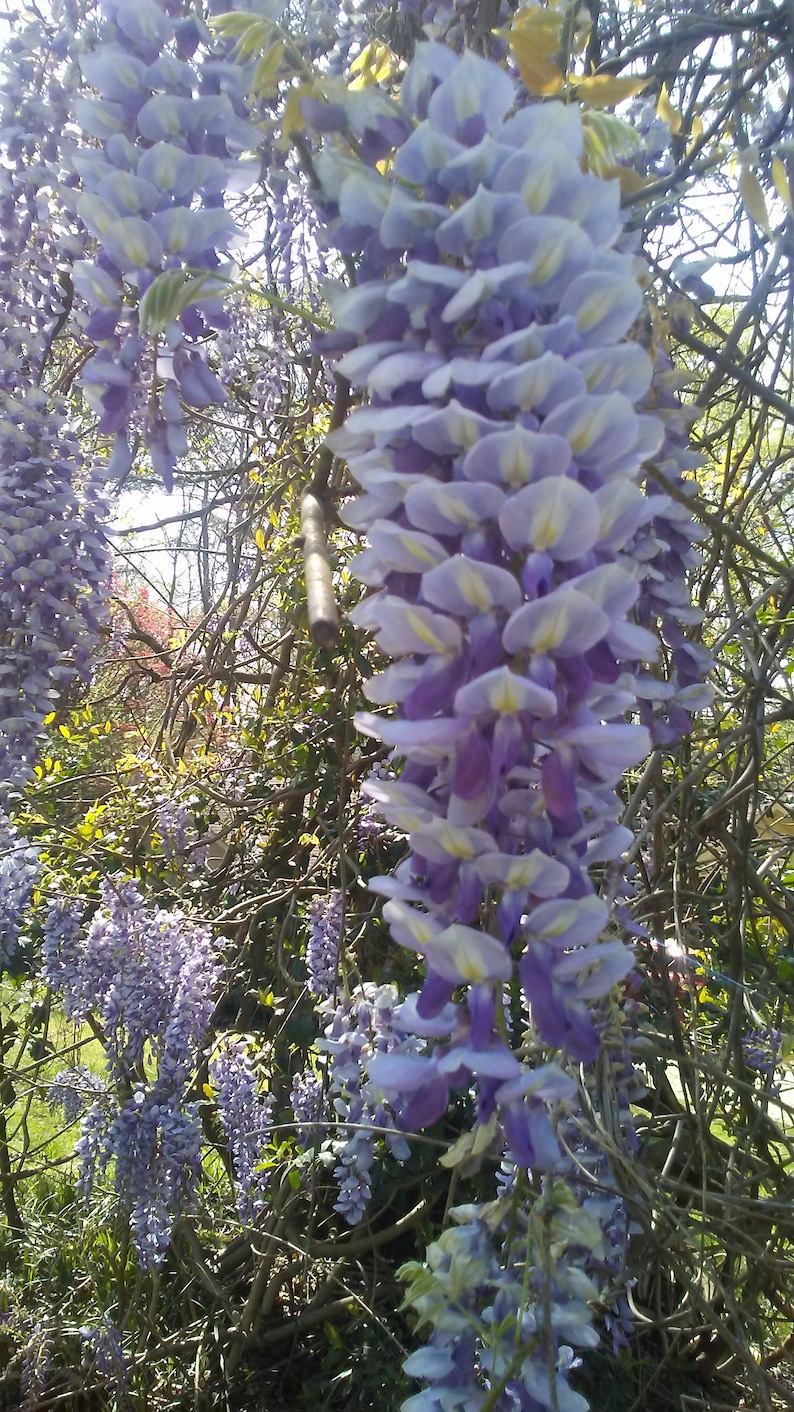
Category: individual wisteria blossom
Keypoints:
(146, 979)
(245, 1116)
(19, 871)
(322, 947)
(171, 122)
(357, 1029)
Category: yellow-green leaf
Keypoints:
(259, 539)
(293, 117)
(375, 63)
(543, 27)
(253, 40)
(782, 187)
(604, 90)
(266, 72)
(533, 39)
(666, 111)
(459, 1152)
(752, 195)
(231, 23)
(65, 732)
(608, 141)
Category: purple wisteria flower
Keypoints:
(173, 817)
(492, 1303)
(322, 948)
(501, 462)
(245, 1117)
(307, 1098)
(761, 1050)
(19, 871)
(171, 129)
(73, 1090)
(36, 1363)
(146, 978)
(54, 564)
(359, 1030)
(103, 1342)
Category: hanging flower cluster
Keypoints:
(170, 130)
(245, 1117)
(19, 871)
(146, 978)
(53, 562)
(356, 1029)
(73, 1090)
(505, 1316)
(322, 949)
(500, 459)
(36, 245)
(54, 570)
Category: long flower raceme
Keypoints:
(171, 128)
(518, 565)
(146, 978)
(500, 459)
(54, 564)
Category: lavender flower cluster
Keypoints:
(505, 1319)
(19, 871)
(522, 575)
(245, 1117)
(73, 1090)
(323, 946)
(358, 1029)
(761, 1049)
(500, 461)
(170, 127)
(54, 564)
(103, 1343)
(146, 978)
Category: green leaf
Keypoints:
(174, 291)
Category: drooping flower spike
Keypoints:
(152, 195)
(501, 462)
